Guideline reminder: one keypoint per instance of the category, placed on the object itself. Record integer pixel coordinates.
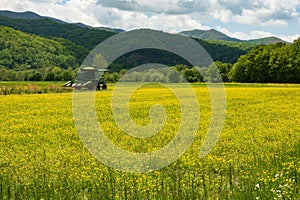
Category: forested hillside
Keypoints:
(44, 49)
(85, 37)
(90, 38)
(214, 35)
(22, 55)
(22, 51)
(226, 53)
(211, 34)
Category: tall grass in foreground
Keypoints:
(256, 157)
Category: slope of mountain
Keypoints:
(211, 34)
(85, 37)
(22, 51)
(116, 30)
(214, 35)
(266, 40)
(31, 16)
(20, 15)
(26, 15)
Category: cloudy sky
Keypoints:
(237, 18)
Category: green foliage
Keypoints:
(217, 72)
(191, 74)
(23, 51)
(214, 35)
(78, 41)
(277, 63)
(267, 40)
(111, 77)
(33, 58)
(50, 76)
(173, 76)
(88, 38)
(225, 52)
(37, 76)
(26, 57)
(224, 69)
(209, 35)
(45, 74)
(245, 46)
(144, 56)
(84, 37)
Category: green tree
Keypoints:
(50, 76)
(173, 76)
(37, 76)
(66, 75)
(4, 75)
(99, 61)
(213, 75)
(278, 63)
(224, 69)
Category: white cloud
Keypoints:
(256, 34)
(158, 6)
(289, 38)
(167, 15)
(244, 36)
(260, 11)
(131, 20)
(70, 11)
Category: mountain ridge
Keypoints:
(49, 28)
(29, 15)
(88, 38)
(213, 34)
(210, 35)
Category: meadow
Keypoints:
(256, 157)
(16, 87)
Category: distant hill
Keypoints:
(211, 34)
(214, 35)
(28, 15)
(116, 30)
(45, 27)
(20, 15)
(86, 38)
(267, 40)
(22, 51)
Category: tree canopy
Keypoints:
(277, 63)
(23, 51)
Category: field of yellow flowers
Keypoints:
(256, 157)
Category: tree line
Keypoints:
(41, 74)
(277, 63)
(175, 74)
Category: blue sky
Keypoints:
(237, 18)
